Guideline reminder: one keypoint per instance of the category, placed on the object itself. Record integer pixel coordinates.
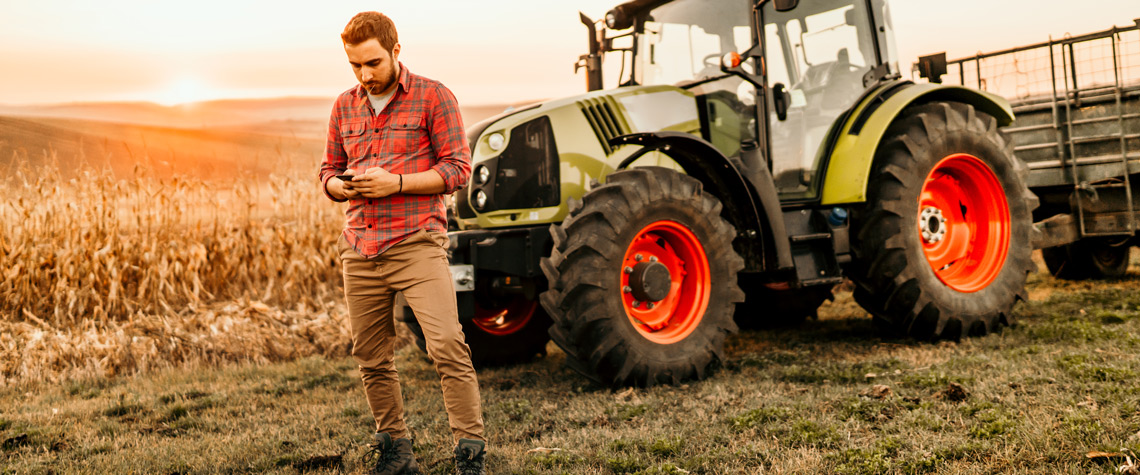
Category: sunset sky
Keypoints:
(488, 52)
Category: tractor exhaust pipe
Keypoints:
(592, 61)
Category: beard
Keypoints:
(378, 85)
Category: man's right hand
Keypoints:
(341, 189)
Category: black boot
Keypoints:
(392, 457)
(469, 457)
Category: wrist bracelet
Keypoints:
(401, 184)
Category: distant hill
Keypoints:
(289, 115)
(212, 139)
(73, 144)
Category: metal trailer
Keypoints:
(1077, 106)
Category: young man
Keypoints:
(401, 139)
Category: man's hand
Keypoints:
(343, 190)
(376, 182)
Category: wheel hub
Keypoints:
(964, 222)
(665, 281)
(650, 281)
(932, 224)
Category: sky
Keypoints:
(487, 52)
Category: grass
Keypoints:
(1037, 397)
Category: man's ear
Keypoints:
(396, 52)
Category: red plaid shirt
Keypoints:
(419, 130)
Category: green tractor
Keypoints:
(754, 154)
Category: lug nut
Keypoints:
(652, 258)
(649, 305)
(628, 270)
(627, 289)
(636, 304)
(637, 257)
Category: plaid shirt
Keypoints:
(419, 130)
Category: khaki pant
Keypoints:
(417, 267)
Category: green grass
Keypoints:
(1062, 381)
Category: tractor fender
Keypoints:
(849, 163)
(752, 204)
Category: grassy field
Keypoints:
(1055, 393)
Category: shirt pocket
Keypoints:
(406, 134)
(354, 136)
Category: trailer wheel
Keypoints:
(942, 248)
(515, 332)
(643, 280)
(1088, 259)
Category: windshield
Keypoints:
(682, 41)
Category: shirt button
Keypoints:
(376, 130)
(369, 226)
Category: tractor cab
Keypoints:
(800, 67)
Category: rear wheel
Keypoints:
(942, 248)
(1088, 259)
(643, 280)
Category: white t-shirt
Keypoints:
(379, 102)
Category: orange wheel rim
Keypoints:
(963, 223)
(507, 319)
(665, 282)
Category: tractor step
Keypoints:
(821, 281)
(810, 237)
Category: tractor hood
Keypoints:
(526, 163)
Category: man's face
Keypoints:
(375, 68)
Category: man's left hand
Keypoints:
(376, 182)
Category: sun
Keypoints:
(182, 91)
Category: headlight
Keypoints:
(480, 199)
(495, 141)
(482, 175)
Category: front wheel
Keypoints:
(512, 331)
(942, 247)
(643, 280)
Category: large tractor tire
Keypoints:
(643, 280)
(1088, 259)
(942, 248)
(514, 332)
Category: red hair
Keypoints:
(368, 25)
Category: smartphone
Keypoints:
(345, 177)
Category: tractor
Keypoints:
(753, 155)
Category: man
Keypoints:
(397, 141)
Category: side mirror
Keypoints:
(730, 64)
(781, 99)
(932, 67)
(785, 5)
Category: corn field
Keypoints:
(101, 275)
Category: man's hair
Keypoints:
(367, 25)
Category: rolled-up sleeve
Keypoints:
(452, 154)
(336, 160)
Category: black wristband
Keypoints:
(401, 184)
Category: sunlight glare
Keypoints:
(183, 91)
